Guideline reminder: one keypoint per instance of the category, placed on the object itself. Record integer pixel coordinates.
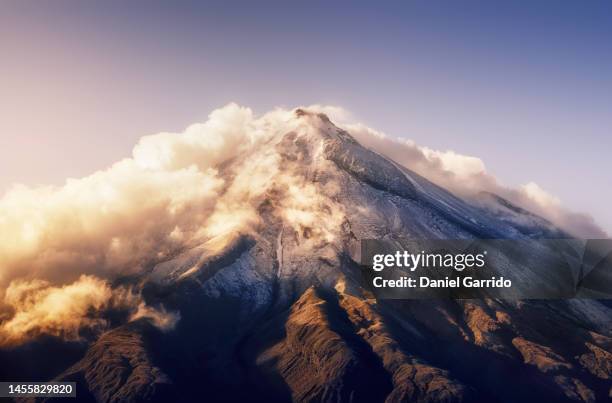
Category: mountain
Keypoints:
(278, 313)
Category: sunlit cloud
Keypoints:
(37, 307)
(465, 175)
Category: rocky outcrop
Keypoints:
(413, 379)
(118, 368)
(597, 361)
(319, 358)
(541, 356)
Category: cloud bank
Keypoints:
(36, 307)
(465, 175)
(61, 247)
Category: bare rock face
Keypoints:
(277, 313)
(337, 348)
(320, 358)
(541, 356)
(413, 379)
(118, 368)
(598, 361)
(575, 389)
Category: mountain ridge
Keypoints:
(275, 310)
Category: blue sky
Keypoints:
(525, 86)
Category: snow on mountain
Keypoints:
(271, 306)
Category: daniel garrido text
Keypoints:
(412, 261)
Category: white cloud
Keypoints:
(466, 175)
(175, 192)
(540, 196)
(37, 307)
(161, 318)
(462, 166)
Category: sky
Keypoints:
(524, 86)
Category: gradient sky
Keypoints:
(525, 86)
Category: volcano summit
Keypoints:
(222, 264)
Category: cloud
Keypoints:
(61, 311)
(462, 166)
(160, 318)
(36, 307)
(227, 132)
(176, 191)
(464, 175)
(534, 192)
(141, 209)
(110, 221)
